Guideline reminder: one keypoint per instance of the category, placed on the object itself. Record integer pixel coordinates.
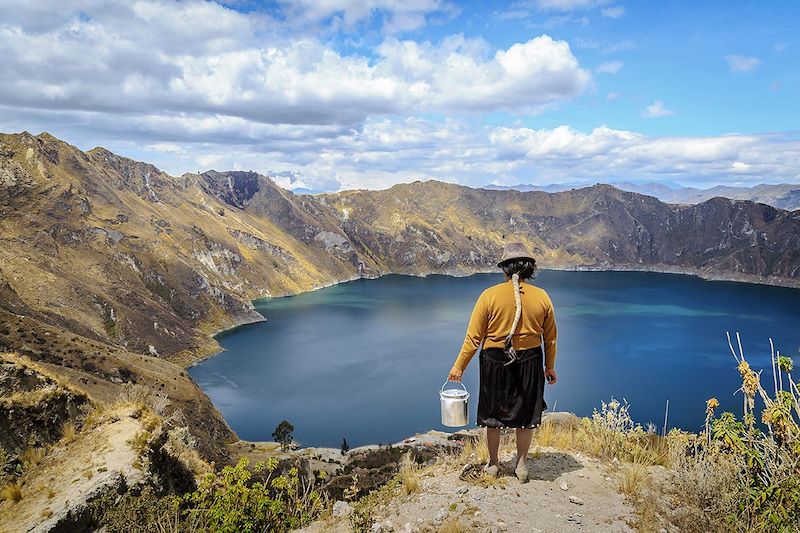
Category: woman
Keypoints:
(513, 321)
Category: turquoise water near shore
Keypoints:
(365, 360)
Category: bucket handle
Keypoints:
(459, 382)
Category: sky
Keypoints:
(342, 94)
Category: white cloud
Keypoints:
(563, 153)
(656, 109)
(613, 12)
(399, 15)
(605, 47)
(609, 67)
(145, 55)
(611, 96)
(522, 9)
(568, 5)
(740, 64)
(192, 84)
(388, 151)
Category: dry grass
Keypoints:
(68, 432)
(634, 478)
(590, 437)
(453, 525)
(11, 492)
(30, 398)
(482, 449)
(26, 362)
(409, 475)
(32, 456)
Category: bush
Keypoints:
(735, 474)
(228, 502)
(769, 461)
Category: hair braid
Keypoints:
(509, 347)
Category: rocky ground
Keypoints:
(566, 492)
(56, 490)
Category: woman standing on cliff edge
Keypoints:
(513, 321)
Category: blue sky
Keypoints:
(331, 94)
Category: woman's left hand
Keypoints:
(455, 375)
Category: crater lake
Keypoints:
(365, 360)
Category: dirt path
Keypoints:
(567, 492)
(67, 477)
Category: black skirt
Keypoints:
(511, 396)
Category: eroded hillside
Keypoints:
(119, 252)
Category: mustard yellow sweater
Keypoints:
(493, 317)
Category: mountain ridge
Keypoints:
(194, 250)
(782, 195)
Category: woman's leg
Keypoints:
(493, 443)
(524, 437)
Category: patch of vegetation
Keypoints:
(367, 508)
(32, 456)
(158, 288)
(11, 492)
(111, 327)
(610, 433)
(409, 475)
(737, 474)
(68, 432)
(143, 511)
(230, 502)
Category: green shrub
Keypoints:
(767, 463)
(230, 502)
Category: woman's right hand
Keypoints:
(455, 375)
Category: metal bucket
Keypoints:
(455, 406)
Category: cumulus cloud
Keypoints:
(656, 109)
(140, 56)
(740, 64)
(563, 153)
(193, 84)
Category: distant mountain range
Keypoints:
(784, 195)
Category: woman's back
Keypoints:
(493, 317)
(499, 302)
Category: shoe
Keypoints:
(522, 473)
(490, 470)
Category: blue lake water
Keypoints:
(365, 359)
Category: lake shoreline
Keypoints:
(622, 299)
(705, 276)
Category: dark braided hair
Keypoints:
(525, 267)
